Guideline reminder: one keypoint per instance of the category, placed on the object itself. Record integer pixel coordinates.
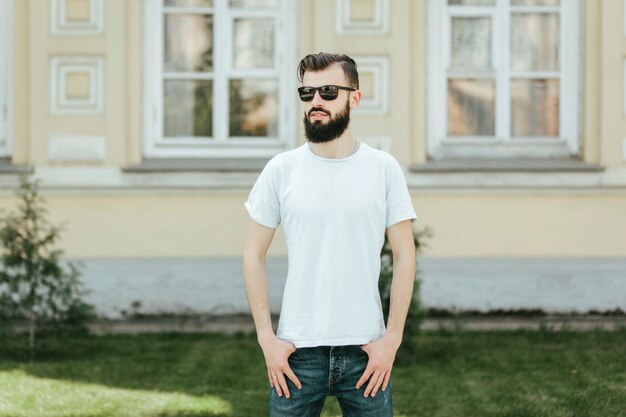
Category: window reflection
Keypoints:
(471, 42)
(253, 108)
(188, 108)
(254, 3)
(188, 42)
(535, 2)
(534, 42)
(253, 43)
(535, 107)
(188, 3)
(472, 2)
(471, 107)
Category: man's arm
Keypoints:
(275, 350)
(402, 245)
(255, 250)
(382, 352)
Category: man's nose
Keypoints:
(317, 101)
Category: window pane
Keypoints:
(534, 41)
(254, 108)
(471, 106)
(188, 3)
(253, 3)
(535, 107)
(535, 2)
(188, 108)
(471, 42)
(472, 2)
(188, 42)
(254, 43)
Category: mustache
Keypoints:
(318, 110)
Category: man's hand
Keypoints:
(382, 353)
(276, 352)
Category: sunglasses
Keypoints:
(327, 92)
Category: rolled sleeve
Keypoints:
(263, 214)
(263, 202)
(399, 212)
(399, 204)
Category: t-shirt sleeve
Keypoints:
(399, 204)
(263, 203)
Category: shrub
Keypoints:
(34, 285)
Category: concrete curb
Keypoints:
(232, 325)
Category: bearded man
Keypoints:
(336, 197)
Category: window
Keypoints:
(503, 78)
(220, 77)
(6, 93)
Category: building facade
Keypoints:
(148, 122)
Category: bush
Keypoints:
(34, 285)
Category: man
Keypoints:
(335, 197)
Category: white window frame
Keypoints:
(221, 146)
(502, 145)
(7, 14)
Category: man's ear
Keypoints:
(355, 98)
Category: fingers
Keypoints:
(279, 383)
(293, 377)
(371, 384)
(375, 383)
(278, 369)
(368, 372)
(283, 384)
(386, 380)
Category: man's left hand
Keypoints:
(382, 353)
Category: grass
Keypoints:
(455, 374)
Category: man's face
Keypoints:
(326, 120)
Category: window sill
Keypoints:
(198, 165)
(522, 175)
(505, 165)
(176, 177)
(8, 167)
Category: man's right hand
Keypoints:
(276, 353)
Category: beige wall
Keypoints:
(21, 73)
(114, 220)
(35, 46)
(592, 83)
(208, 224)
(613, 51)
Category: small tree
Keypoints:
(415, 314)
(33, 284)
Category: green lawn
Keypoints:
(456, 374)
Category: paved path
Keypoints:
(233, 324)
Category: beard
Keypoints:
(317, 132)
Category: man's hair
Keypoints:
(322, 60)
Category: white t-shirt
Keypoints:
(334, 214)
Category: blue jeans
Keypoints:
(329, 370)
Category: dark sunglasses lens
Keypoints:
(306, 94)
(329, 92)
